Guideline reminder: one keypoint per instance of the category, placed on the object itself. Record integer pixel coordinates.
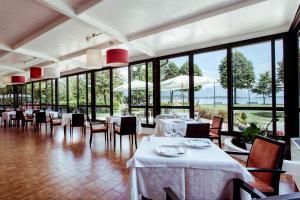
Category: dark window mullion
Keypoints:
(273, 62)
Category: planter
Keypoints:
(229, 146)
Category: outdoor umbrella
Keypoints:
(135, 85)
(181, 82)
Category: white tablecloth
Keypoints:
(165, 126)
(201, 174)
(6, 115)
(117, 119)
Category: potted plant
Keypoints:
(249, 134)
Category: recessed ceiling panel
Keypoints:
(18, 18)
(66, 38)
(130, 17)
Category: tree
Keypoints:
(264, 85)
(169, 71)
(184, 70)
(242, 72)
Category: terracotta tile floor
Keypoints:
(37, 165)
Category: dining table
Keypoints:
(199, 173)
(165, 126)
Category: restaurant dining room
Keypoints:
(149, 99)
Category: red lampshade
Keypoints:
(35, 73)
(117, 57)
(18, 79)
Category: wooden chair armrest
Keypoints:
(237, 153)
(250, 169)
(170, 194)
(240, 184)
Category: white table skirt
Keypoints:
(165, 126)
(117, 119)
(201, 174)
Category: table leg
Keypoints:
(65, 129)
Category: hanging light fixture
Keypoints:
(35, 73)
(51, 72)
(93, 55)
(16, 80)
(117, 57)
(93, 58)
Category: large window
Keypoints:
(73, 93)
(62, 94)
(102, 83)
(174, 85)
(210, 86)
(120, 91)
(82, 92)
(36, 95)
(43, 95)
(142, 91)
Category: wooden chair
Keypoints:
(264, 163)
(98, 126)
(198, 130)
(215, 129)
(40, 118)
(26, 120)
(54, 121)
(15, 118)
(78, 121)
(127, 127)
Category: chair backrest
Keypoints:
(128, 125)
(216, 125)
(19, 114)
(78, 120)
(40, 117)
(266, 153)
(197, 130)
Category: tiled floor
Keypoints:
(37, 165)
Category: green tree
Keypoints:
(264, 85)
(242, 71)
(184, 70)
(168, 71)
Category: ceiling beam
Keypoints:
(86, 5)
(11, 68)
(39, 31)
(35, 54)
(194, 18)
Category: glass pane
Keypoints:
(138, 84)
(72, 93)
(174, 82)
(43, 93)
(150, 116)
(210, 86)
(62, 91)
(242, 119)
(150, 83)
(89, 88)
(102, 113)
(36, 95)
(252, 75)
(49, 94)
(120, 95)
(28, 100)
(82, 109)
(82, 89)
(102, 88)
(280, 124)
(279, 73)
(139, 113)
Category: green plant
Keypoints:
(241, 117)
(250, 132)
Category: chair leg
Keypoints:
(135, 141)
(120, 142)
(91, 137)
(219, 140)
(114, 140)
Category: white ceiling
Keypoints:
(56, 31)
